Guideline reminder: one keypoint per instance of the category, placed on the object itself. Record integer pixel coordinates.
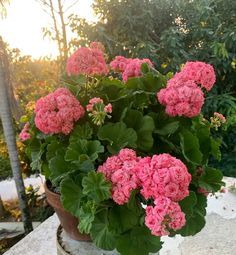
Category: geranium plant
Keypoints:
(127, 148)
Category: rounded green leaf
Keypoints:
(71, 194)
(138, 241)
(100, 233)
(118, 136)
(96, 187)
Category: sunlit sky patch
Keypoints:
(23, 26)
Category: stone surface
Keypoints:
(217, 238)
(42, 241)
(74, 247)
(11, 228)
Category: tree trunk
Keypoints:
(14, 104)
(2, 209)
(9, 134)
(64, 36)
(52, 10)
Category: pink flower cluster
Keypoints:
(182, 98)
(162, 178)
(163, 175)
(217, 120)
(87, 61)
(57, 112)
(220, 116)
(24, 134)
(202, 73)
(164, 215)
(128, 67)
(119, 169)
(97, 100)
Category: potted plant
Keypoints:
(126, 149)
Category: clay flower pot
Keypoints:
(67, 220)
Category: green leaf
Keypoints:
(134, 83)
(168, 129)
(54, 148)
(118, 136)
(111, 89)
(100, 233)
(45, 170)
(36, 151)
(188, 203)
(134, 203)
(96, 187)
(145, 68)
(193, 225)
(121, 218)
(138, 241)
(195, 221)
(211, 179)
(215, 148)
(58, 168)
(82, 150)
(86, 216)
(140, 100)
(152, 82)
(190, 146)
(143, 125)
(203, 134)
(71, 194)
(81, 132)
(86, 165)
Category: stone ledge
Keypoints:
(217, 238)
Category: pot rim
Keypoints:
(48, 190)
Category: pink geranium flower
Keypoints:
(24, 134)
(181, 98)
(87, 61)
(57, 112)
(129, 67)
(165, 215)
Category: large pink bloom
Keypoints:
(181, 98)
(87, 61)
(119, 169)
(163, 175)
(57, 112)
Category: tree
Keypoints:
(58, 32)
(127, 27)
(6, 117)
(3, 7)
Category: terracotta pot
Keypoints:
(67, 220)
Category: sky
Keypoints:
(22, 28)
